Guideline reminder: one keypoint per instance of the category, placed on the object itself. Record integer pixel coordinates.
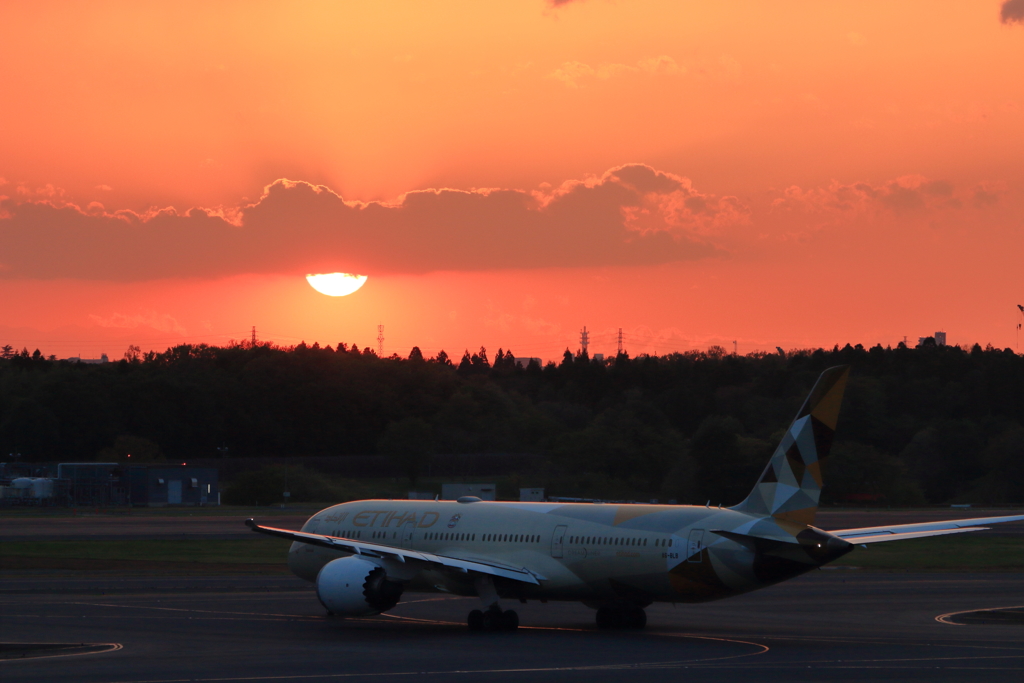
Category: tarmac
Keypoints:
(837, 625)
(830, 625)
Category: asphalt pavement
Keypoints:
(826, 626)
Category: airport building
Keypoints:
(107, 484)
(159, 486)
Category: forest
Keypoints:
(926, 425)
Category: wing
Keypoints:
(401, 554)
(900, 532)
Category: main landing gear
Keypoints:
(621, 617)
(493, 619)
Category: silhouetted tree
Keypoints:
(410, 444)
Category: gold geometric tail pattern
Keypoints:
(790, 486)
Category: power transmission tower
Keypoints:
(620, 342)
(253, 336)
(584, 339)
(380, 341)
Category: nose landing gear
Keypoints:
(621, 617)
(493, 619)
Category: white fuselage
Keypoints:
(587, 552)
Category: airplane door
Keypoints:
(407, 535)
(556, 541)
(695, 546)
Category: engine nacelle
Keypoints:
(353, 587)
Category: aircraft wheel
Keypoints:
(509, 620)
(475, 621)
(606, 617)
(635, 618)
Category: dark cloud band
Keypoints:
(632, 215)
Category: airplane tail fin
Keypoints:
(791, 484)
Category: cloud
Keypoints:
(906, 194)
(575, 74)
(630, 215)
(1012, 11)
(662, 64)
(161, 322)
(986, 195)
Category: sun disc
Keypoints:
(336, 284)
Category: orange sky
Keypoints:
(788, 173)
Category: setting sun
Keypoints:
(336, 284)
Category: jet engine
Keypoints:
(353, 587)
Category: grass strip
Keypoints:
(953, 553)
(262, 551)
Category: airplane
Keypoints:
(616, 559)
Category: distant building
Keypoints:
(599, 357)
(938, 337)
(105, 484)
(524, 362)
(163, 485)
(531, 495)
(456, 491)
(90, 361)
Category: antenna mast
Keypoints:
(380, 341)
(584, 339)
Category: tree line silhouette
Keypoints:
(934, 424)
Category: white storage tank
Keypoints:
(33, 487)
(42, 488)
